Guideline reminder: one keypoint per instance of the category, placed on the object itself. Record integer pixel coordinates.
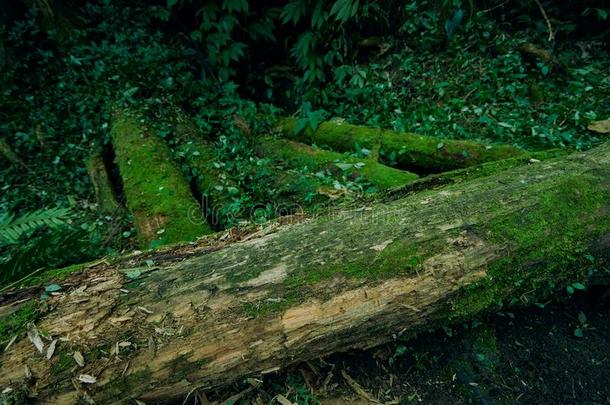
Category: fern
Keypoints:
(11, 228)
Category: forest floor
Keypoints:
(555, 353)
(482, 87)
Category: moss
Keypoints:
(299, 155)
(15, 323)
(54, 275)
(421, 154)
(62, 363)
(157, 193)
(545, 243)
(400, 257)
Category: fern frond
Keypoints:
(12, 228)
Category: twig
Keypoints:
(22, 279)
(496, 7)
(546, 19)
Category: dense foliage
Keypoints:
(449, 68)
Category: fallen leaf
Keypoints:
(601, 127)
(35, 337)
(52, 288)
(51, 349)
(27, 372)
(87, 379)
(79, 359)
(283, 400)
(120, 319)
(145, 310)
(10, 343)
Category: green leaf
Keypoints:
(578, 332)
(52, 288)
(133, 273)
(579, 286)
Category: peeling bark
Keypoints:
(154, 331)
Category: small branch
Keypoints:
(546, 19)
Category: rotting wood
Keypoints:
(413, 152)
(104, 190)
(157, 193)
(347, 280)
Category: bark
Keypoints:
(156, 326)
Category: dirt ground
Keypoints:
(554, 353)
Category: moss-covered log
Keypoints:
(299, 155)
(102, 186)
(158, 195)
(418, 153)
(158, 327)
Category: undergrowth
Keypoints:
(452, 69)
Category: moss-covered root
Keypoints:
(104, 192)
(157, 193)
(418, 153)
(299, 155)
(215, 185)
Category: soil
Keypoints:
(554, 353)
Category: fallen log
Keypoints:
(413, 152)
(157, 193)
(102, 186)
(155, 327)
(297, 154)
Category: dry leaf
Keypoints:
(283, 400)
(27, 372)
(138, 402)
(10, 343)
(51, 349)
(87, 379)
(145, 310)
(601, 127)
(79, 359)
(35, 338)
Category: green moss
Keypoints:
(299, 155)
(62, 363)
(410, 151)
(15, 323)
(544, 245)
(400, 257)
(157, 193)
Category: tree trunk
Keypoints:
(156, 326)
